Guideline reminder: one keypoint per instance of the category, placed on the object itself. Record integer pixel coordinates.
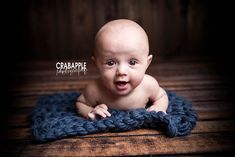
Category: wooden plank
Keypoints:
(171, 21)
(192, 95)
(63, 29)
(81, 17)
(30, 101)
(146, 22)
(204, 95)
(104, 12)
(129, 10)
(222, 126)
(75, 85)
(42, 24)
(25, 104)
(133, 145)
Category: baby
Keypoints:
(122, 57)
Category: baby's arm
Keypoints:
(160, 103)
(158, 97)
(82, 106)
(86, 104)
(91, 112)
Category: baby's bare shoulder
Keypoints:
(151, 86)
(148, 79)
(150, 83)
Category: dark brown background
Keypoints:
(65, 29)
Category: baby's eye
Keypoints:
(132, 62)
(110, 63)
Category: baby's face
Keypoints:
(122, 58)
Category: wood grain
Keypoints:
(195, 79)
(66, 29)
(132, 145)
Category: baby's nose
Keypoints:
(121, 70)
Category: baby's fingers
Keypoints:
(149, 109)
(106, 112)
(92, 115)
(152, 108)
(156, 109)
(103, 106)
(103, 113)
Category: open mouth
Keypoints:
(121, 85)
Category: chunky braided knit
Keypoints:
(54, 117)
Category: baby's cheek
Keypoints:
(137, 78)
(107, 76)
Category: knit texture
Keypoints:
(54, 117)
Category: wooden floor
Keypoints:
(196, 79)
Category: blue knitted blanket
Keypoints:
(54, 117)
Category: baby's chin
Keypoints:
(122, 92)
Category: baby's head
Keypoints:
(121, 55)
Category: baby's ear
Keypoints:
(93, 59)
(150, 57)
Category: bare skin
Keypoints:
(122, 57)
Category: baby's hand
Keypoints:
(99, 110)
(156, 108)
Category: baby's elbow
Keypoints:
(78, 106)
